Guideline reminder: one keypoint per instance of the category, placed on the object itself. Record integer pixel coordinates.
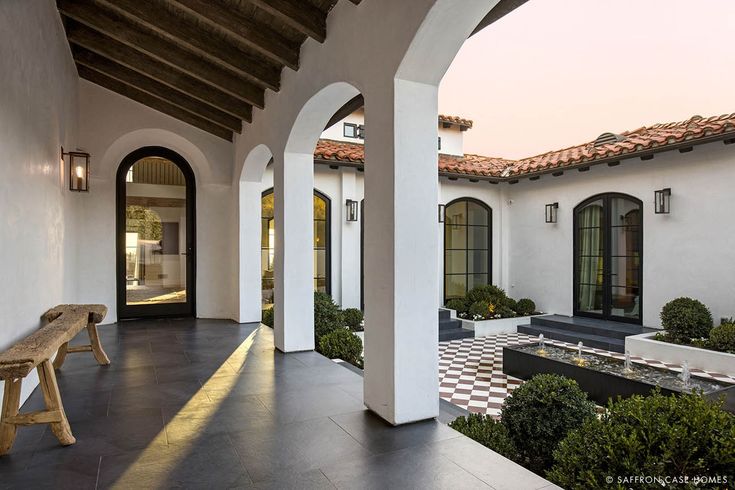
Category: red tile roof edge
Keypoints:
(642, 141)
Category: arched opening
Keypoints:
(322, 245)
(156, 230)
(467, 246)
(608, 254)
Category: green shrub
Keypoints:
(487, 293)
(488, 432)
(327, 316)
(525, 307)
(267, 318)
(457, 304)
(481, 310)
(510, 304)
(342, 344)
(685, 319)
(505, 312)
(353, 319)
(656, 436)
(722, 337)
(540, 413)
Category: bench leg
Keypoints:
(52, 397)
(61, 355)
(11, 405)
(97, 350)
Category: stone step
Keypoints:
(449, 324)
(444, 314)
(590, 326)
(455, 334)
(588, 340)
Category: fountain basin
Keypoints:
(604, 377)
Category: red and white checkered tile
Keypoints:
(471, 370)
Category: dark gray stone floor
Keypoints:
(211, 404)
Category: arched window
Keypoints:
(467, 245)
(608, 249)
(322, 243)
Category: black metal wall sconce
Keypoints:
(552, 210)
(351, 207)
(662, 199)
(78, 170)
(442, 213)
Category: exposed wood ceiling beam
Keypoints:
(260, 37)
(184, 30)
(301, 15)
(135, 60)
(87, 12)
(143, 83)
(152, 102)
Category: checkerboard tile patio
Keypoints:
(471, 370)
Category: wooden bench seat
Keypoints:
(36, 351)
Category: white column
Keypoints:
(293, 187)
(401, 188)
(249, 293)
(350, 252)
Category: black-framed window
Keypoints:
(361, 131)
(467, 246)
(322, 244)
(350, 130)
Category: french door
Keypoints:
(608, 253)
(156, 252)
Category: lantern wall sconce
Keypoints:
(78, 170)
(551, 212)
(662, 199)
(442, 212)
(351, 207)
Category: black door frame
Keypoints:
(467, 250)
(606, 259)
(125, 311)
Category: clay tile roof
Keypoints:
(459, 121)
(657, 137)
(654, 138)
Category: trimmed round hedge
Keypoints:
(353, 319)
(457, 304)
(327, 316)
(656, 436)
(722, 338)
(540, 413)
(488, 432)
(342, 344)
(685, 319)
(525, 307)
(267, 318)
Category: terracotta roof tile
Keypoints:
(459, 121)
(644, 138)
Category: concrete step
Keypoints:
(444, 314)
(589, 340)
(590, 326)
(455, 334)
(449, 324)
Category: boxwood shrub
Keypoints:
(342, 344)
(488, 432)
(685, 319)
(458, 304)
(655, 436)
(722, 338)
(267, 317)
(353, 319)
(540, 413)
(525, 307)
(327, 316)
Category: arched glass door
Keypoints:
(155, 235)
(467, 245)
(608, 250)
(322, 243)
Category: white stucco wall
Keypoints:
(112, 126)
(38, 114)
(690, 252)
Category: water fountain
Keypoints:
(604, 376)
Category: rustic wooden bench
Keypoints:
(36, 351)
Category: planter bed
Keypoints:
(483, 328)
(644, 345)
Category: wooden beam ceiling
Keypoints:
(204, 62)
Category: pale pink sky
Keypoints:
(555, 73)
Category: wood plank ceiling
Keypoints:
(204, 62)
